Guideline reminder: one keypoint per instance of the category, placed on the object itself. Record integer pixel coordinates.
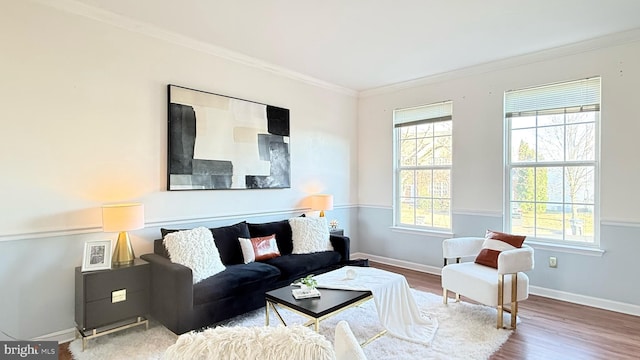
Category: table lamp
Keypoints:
(322, 202)
(122, 218)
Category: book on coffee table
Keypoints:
(305, 293)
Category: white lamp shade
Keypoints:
(322, 202)
(122, 217)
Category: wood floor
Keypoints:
(550, 329)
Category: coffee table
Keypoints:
(330, 303)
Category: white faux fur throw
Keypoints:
(310, 234)
(256, 343)
(195, 249)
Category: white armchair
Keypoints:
(485, 284)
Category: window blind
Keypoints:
(581, 94)
(421, 114)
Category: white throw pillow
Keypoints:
(196, 250)
(247, 250)
(310, 234)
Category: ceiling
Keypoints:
(365, 44)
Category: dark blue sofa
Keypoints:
(182, 306)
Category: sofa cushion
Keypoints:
(226, 238)
(281, 229)
(310, 234)
(294, 266)
(164, 231)
(259, 248)
(196, 250)
(458, 277)
(235, 280)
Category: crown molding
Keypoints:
(602, 42)
(123, 22)
(90, 12)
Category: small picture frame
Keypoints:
(97, 255)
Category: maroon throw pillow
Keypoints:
(265, 247)
(495, 242)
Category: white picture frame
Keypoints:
(97, 255)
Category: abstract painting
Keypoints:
(220, 142)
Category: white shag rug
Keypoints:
(466, 331)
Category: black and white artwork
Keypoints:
(97, 255)
(220, 142)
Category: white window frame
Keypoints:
(432, 113)
(573, 96)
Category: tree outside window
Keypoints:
(423, 173)
(552, 168)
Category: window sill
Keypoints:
(408, 230)
(580, 250)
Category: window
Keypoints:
(552, 157)
(422, 142)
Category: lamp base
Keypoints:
(321, 213)
(123, 253)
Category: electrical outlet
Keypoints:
(553, 261)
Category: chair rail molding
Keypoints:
(49, 233)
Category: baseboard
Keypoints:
(599, 303)
(399, 263)
(61, 336)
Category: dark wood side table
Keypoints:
(112, 300)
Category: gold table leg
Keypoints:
(316, 321)
(266, 313)
(373, 338)
(275, 310)
(94, 332)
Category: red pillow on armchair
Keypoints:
(494, 243)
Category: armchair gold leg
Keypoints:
(514, 301)
(445, 296)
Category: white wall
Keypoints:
(478, 195)
(84, 123)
